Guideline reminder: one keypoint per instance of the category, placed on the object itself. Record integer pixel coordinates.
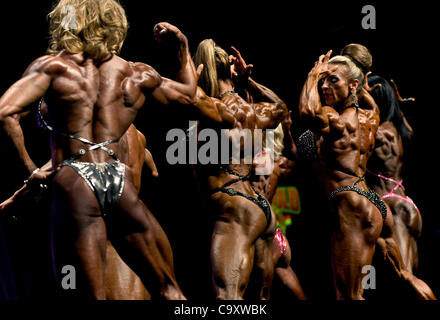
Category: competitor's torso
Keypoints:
(95, 102)
(241, 117)
(339, 150)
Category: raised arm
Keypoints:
(310, 108)
(18, 98)
(270, 109)
(183, 89)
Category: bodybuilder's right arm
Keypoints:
(165, 90)
(310, 108)
(18, 98)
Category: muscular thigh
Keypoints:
(409, 216)
(77, 197)
(131, 215)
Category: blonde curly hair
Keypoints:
(96, 27)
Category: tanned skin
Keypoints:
(388, 160)
(99, 101)
(269, 259)
(239, 222)
(358, 222)
(121, 282)
(387, 246)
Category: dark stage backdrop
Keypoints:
(282, 39)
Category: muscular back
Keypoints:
(388, 153)
(97, 102)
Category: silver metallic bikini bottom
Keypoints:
(105, 179)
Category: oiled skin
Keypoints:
(98, 101)
(358, 222)
(239, 222)
(388, 160)
(269, 259)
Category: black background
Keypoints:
(282, 39)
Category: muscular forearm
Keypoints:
(13, 129)
(261, 93)
(311, 109)
(310, 103)
(187, 72)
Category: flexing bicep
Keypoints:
(162, 89)
(169, 90)
(311, 110)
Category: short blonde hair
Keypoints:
(96, 27)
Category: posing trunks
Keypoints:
(372, 196)
(260, 201)
(106, 179)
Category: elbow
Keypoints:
(281, 107)
(189, 97)
(186, 99)
(8, 122)
(6, 116)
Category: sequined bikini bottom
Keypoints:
(260, 200)
(372, 196)
(105, 179)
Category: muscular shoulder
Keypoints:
(333, 117)
(50, 65)
(145, 76)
